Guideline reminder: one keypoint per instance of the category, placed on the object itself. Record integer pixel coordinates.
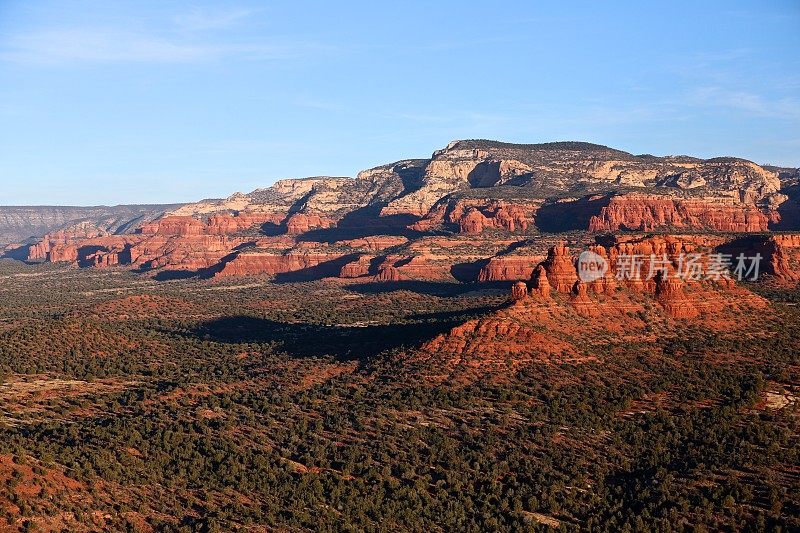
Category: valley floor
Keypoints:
(133, 404)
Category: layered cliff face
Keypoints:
(254, 263)
(299, 223)
(283, 255)
(484, 192)
(568, 166)
(474, 215)
(650, 212)
(62, 238)
(509, 267)
(783, 257)
(327, 197)
(453, 169)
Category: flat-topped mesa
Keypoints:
(255, 263)
(509, 268)
(563, 165)
(415, 267)
(225, 223)
(484, 189)
(232, 223)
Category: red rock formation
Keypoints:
(563, 329)
(660, 278)
(670, 294)
(475, 215)
(559, 327)
(503, 216)
(174, 225)
(541, 285)
(645, 213)
(62, 240)
(422, 267)
(584, 305)
(230, 223)
(358, 268)
(299, 223)
(388, 273)
(509, 268)
(519, 291)
(473, 222)
(186, 252)
(105, 259)
(255, 263)
(63, 253)
(560, 268)
(607, 283)
(783, 257)
(374, 243)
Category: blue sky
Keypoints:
(126, 102)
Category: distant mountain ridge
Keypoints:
(458, 214)
(21, 223)
(412, 187)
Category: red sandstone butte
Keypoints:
(509, 268)
(556, 326)
(560, 268)
(252, 263)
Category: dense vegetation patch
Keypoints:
(286, 405)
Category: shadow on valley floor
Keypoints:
(788, 211)
(344, 342)
(323, 270)
(432, 288)
(19, 253)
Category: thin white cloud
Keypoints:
(206, 19)
(748, 102)
(99, 46)
(109, 46)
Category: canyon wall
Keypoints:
(647, 213)
(450, 217)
